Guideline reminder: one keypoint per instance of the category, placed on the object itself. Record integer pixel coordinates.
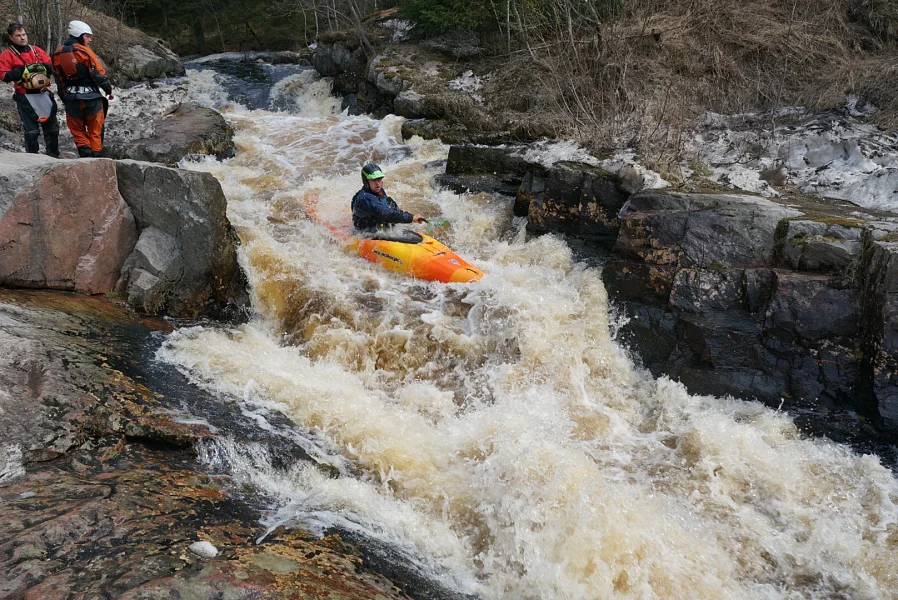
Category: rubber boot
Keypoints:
(85, 152)
(31, 142)
(52, 143)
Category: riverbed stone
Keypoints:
(63, 223)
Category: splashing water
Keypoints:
(496, 429)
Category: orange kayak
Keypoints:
(425, 259)
(409, 252)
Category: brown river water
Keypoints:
(496, 431)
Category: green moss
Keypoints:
(799, 239)
(892, 236)
(702, 185)
(699, 167)
(842, 221)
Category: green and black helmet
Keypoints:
(371, 171)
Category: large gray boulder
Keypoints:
(702, 230)
(188, 130)
(737, 294)
(186, 252)
(411, 105)
(156, 234)
(150, 60)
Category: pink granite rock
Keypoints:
(63, 224)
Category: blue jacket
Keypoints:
(370, 211)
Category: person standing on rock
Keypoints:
(28, 68)
(80, 76)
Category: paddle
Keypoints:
(437, 225)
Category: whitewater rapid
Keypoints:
(496, 431)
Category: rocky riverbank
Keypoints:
(101, 490)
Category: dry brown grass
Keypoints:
(642, 78)
(879, 16)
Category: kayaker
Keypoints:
(28, 68)
(372, 209)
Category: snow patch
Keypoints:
(469, 83)
(400, 29)
(832, 154)
(134, 110)
(624, 164)
(11, 465)
(633, 176)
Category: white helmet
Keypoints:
(79, 28)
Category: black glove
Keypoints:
(107, 87)
(13, 74)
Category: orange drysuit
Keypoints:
(79, 77)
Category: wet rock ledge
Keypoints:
(101, 495)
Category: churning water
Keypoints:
(495, 431)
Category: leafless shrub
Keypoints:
(44, 20)
(640, 77)
(332, 15)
